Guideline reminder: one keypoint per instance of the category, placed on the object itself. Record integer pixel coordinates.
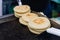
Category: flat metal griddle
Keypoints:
(13, 30)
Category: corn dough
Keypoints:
(22, 21)
(39, 30)
(35, 32)
(39, 23)
(22, 8)
(29, 16)
(18, 15)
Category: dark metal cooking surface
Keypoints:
(13, 30)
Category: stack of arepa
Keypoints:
(27, 17)
(39, 25)
(35, 23)
(20, 10)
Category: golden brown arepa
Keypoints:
(20, 10)
(39, 23)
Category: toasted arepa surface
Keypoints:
(39, 23)
(29, 16)
(22, 8)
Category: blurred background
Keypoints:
(8, 5)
